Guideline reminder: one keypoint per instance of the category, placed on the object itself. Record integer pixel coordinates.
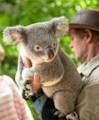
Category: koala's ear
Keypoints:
(14, 34)
(60, 26)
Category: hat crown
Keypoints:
(86, 18)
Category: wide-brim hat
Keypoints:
(86, 19)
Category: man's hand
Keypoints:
(35, 83)
(32, 78)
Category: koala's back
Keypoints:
(71, 80)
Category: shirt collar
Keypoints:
(86, 69)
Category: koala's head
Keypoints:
(39, 40)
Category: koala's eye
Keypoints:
(37, 48)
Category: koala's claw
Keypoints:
(72, 116)
(59, 114)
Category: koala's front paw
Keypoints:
(72, 116)
(59, 114)
(27, 74)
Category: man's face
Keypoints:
(78, 45)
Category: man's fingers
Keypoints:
(36, 84)
(36, 76)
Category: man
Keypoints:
(84, 32)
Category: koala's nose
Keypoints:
(50, 52)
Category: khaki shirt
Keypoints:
(88, 101)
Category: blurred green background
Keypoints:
(24, 12)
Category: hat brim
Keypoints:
(77, 26)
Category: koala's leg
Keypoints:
(64, 101)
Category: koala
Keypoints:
(40, 44)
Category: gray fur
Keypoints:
(59, 77)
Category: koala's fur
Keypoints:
(59, 77)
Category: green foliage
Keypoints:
(25, 12)
(13, 12)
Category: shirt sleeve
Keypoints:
(19, 103)
(88, 100)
